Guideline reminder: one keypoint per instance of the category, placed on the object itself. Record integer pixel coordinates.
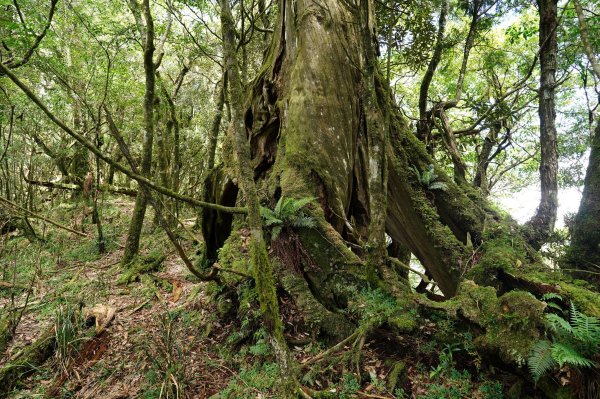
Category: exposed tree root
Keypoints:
(333, 325)
(141, 266)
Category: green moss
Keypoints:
(6, 330)
(397, 376)
(147, 264)
(503, 249)
(333, 325)
(587, 301)
(234, 255)
(512, 322)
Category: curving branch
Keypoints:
(11, 63)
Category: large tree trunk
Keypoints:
(318, 129)
(584, 252)
(321, 123)
(583, 256)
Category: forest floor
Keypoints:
(162, 336)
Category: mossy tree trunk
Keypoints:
(317, 129)
(584, 252)
(321, 123)
(262, 269)
(141, 202)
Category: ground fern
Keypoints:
(574, 343)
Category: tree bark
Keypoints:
(135, 227)
(424, 124)
(261, 267)
(542, 223)
(351, 150)
(216, 123)
(583, 254)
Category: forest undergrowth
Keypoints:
(162, 334)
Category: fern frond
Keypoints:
(541, 360)
(273, 222)
(558, 324)
(586, 329)
(269, 217)
(304, 221)
(297, 204)
(277, 209)
(438, 185)
(551, 295)
(554, 306)
(566, 354)
(417, 173)
(275, 232)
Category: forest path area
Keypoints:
(157, 331)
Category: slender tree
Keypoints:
(542, 223)
(141, 201)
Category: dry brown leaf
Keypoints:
(177, 290)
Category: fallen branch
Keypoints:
(74, 187)
(38, 216)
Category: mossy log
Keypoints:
(6, 330)
(27, 361)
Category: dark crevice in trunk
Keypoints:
(216, 226)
